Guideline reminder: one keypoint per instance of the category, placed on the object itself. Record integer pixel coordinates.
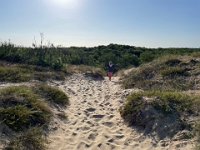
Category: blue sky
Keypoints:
(145, 23)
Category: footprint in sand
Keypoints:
(74, 134)
(108, 124)
(119, 136)
(83, 145)
(90, 110)
(92, 136)
(98, 116)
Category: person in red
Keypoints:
(110, 70)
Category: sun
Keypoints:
(65, 3)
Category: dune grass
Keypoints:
(26, 112)
(52, 94)
(21, 108)
(166, 73)
(161, 113)
(165, 101)
(14, 74)
(23, 73)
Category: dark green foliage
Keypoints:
(131, 110)
(147, 56)
(122, 55)
(33, 139)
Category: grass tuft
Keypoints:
(162, 112)
(52, 94)
(21, 109)
(166, 73)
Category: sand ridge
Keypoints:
(94, 122)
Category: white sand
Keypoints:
(94, 122)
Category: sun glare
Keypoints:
(65, 3)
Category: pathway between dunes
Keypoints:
(94, 121)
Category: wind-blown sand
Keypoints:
(94, 121)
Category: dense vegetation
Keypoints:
(165, 113)
(25, 113)
(171, 72)
(56, 57)
(24, 73)
(164, 109)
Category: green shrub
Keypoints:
(147, 56)
(166, 102)
(131, 110)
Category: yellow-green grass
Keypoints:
(24, 73)
(166, 73)
(21, 108)
(161, 111)
(52, 94)
(27, 113)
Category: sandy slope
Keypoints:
(94, 121)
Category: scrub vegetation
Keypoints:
(25, 114)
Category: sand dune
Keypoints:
(94, 122)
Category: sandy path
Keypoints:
(94, 121)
